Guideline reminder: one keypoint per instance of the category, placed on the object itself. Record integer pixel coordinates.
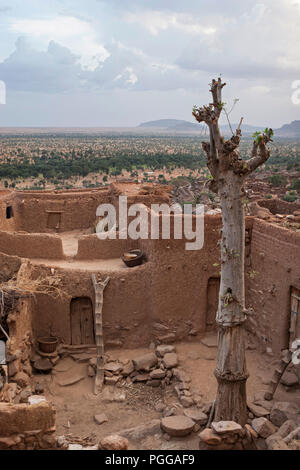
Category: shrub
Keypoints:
(289, 198)
(277, 180)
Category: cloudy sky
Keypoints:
(121, 62)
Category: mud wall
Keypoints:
(275, 252)
(91, 247)
(27, 427)
(170, 289)
(31, 245)
(76, 210)
(8, 211)
(126, 314)
(277, 206)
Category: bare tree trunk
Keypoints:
(231, 372)
(228, 173)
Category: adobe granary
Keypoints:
(48, 253)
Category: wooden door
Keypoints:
(295, 315)
(213, 288)
(54, 220)
(82, 321)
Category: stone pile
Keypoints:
(155, 369)
(267, 430)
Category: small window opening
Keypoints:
(9, 212)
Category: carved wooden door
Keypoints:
(82, 321)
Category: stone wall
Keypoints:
(18, 349)
(27, 427)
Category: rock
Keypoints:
(81, 357)
(128, 369)
(43, 364)
(153, 383)
(250, 432)
(258, 411)
(39, 388)
(170, 360)
(157, 374)
(93, 362)
(193, 332)
(160, 407)
(183, 386)
(287, 427)
(181, 375)
(145, 362)
(206, 407)
(282, 411)
(24, 395)
(21, 379)
(91, 371)
(275, 442)
(163, 349)
(65, 382)
(209, 437)
(114, 442)
(177, 426)
(75, 447)
(160, 327)
(12, 368)
(141, 378)
(142, 431)
(7, 442)
(260, 444)
(170, 338)
(224, 427)
(196, 415)
(210, 341)
(169, 411)
(100, 419)
(55, 360)
(263, 427)
(9, 392)
(36, 399)
(267, 405)
(289, 379)
(112, 380)
(61, 441)
(186, 401)
(113, 367)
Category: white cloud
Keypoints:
(262, 43)
(75, 34)
(156, 21)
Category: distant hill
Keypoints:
(178, 125)
(171, 124)
(289, 130)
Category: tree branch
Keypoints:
(260, 153)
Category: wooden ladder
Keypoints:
(99, 291)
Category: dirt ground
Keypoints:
(134, 404)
